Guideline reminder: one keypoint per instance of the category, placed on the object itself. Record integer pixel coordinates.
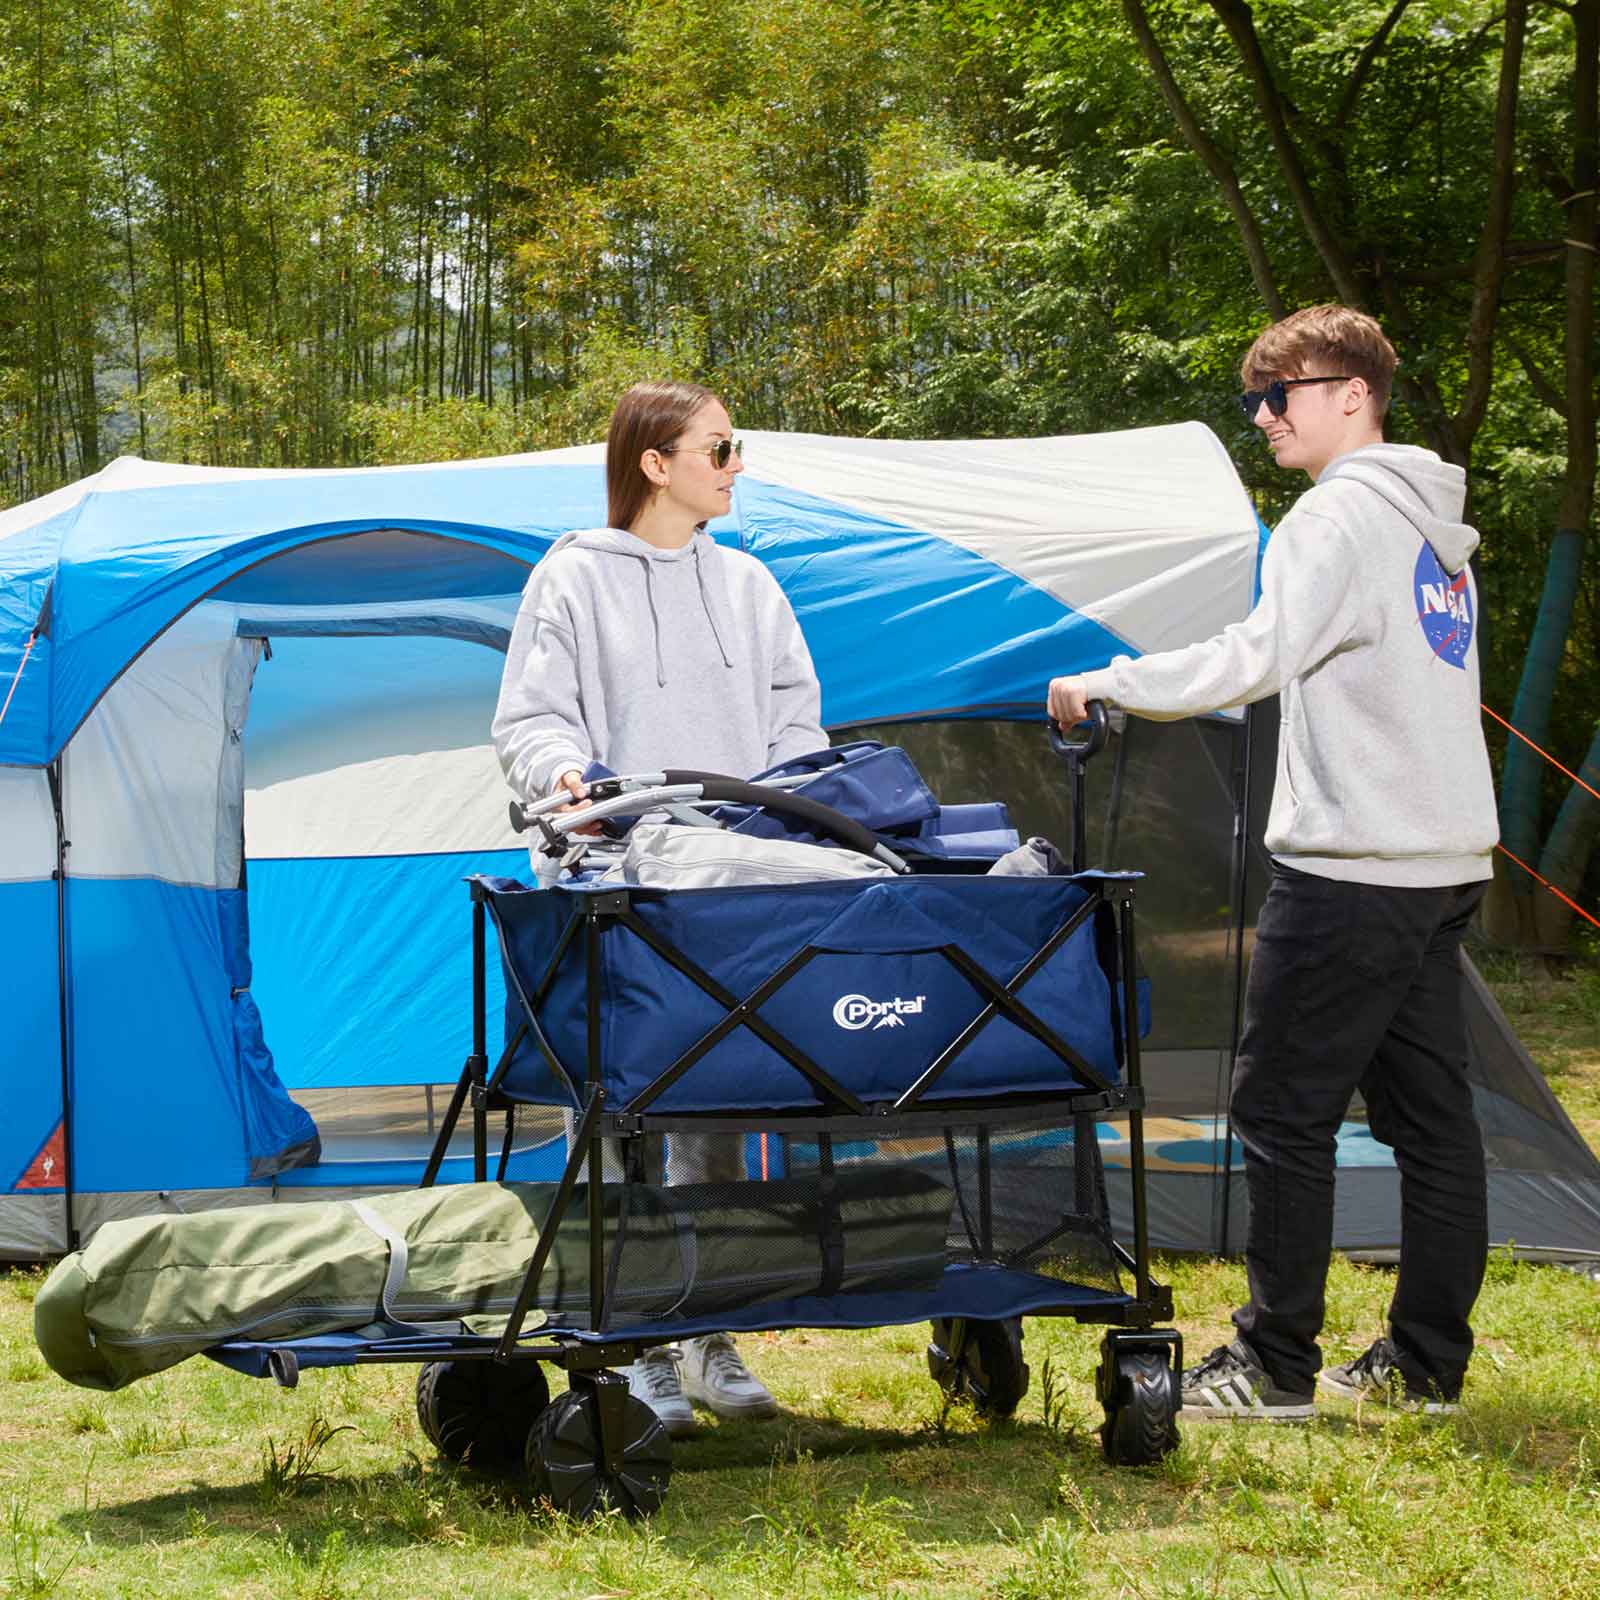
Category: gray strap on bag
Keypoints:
(394, 1276)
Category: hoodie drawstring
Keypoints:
(711, 617)
(655, 615)
(655, 623)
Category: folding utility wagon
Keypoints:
(911, 1068)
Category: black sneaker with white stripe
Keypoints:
(1375, 1375)
(1231, 1386)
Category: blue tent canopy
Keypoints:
(1003, 564)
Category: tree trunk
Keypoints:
(1509, 916)
(1237, 19)
(1565, 858)
(1489, 270)
(1566, 854)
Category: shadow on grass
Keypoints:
(967, 1480)
(1527, 1435)
(965, 1477)
(791, 1435)
(390, 1508)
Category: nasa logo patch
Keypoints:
(1444, 608)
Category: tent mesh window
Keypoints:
(399, 1122)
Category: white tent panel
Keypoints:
(28, 839)
(154, 776)
(1095, 520)
(427, 803)
(1176, 591)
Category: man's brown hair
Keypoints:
(1324, 339)
(647, 417)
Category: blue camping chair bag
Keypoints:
(880, 787)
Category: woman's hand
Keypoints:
(572, 781)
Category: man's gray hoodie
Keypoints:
(643, 658)
(1367, 629)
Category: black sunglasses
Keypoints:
(1276, 395)
(721, 453)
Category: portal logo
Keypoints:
(856, 1011)
(1444, 608)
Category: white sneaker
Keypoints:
(716, 1377)
(654, 1378)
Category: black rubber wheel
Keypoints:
(566, 1468)
(980, 1362)
(479, 1412)
(1141, 1425)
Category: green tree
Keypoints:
(1415, 160)
(56, 250)
(1566, 161)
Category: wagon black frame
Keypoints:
(597, 916)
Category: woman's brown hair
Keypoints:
(648, 416)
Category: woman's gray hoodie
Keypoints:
(1367, 627)
(643, 658)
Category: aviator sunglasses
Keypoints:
(1276, 395)
(721, 453)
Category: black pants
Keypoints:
(1358, 986)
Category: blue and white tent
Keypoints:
(161, 1006)
(246, 721)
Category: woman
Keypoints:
(644, 645)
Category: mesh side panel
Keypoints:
(858, 1215)
(1023, 1197)
(1161, 799)
(700, 1248)
(843, 1216)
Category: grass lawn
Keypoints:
(198, 1482)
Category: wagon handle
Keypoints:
(1076, 753)
(714, 787)
(833, 824)
(1080, 750)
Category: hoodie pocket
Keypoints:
(1315, 822)
(1286, 733)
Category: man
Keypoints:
(1381, 829)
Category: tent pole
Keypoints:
(1127, 961)
(478, 1061)
(63, 844)
(1239, 864)
(1119, 771)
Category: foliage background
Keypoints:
(291, 233)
